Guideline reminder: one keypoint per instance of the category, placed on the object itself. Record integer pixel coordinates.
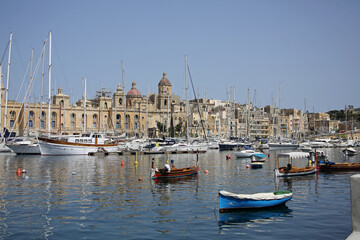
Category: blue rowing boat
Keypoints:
(232, 201)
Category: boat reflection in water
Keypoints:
(178, 180)
(238, 218)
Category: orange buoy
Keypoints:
(18, 171)
(140, 179)
(122, 163)
(247, 166)
(113, 170)
(206, 171)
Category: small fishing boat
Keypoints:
(349, 151)
(168, 172)
(332, 166)
(256, 164)
(233, 201)
(290, 170)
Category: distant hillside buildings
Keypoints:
(156, 114)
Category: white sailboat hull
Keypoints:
(179, 148)
(4, 148)
(25, 149)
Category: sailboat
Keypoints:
(3, 147)
(187, 146)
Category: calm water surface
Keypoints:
(92, 197)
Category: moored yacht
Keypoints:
(77, 145)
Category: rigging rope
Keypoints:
(202, 123)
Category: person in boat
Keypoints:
(288, 168)
(167, 167)
(326, 161)
(172, 164)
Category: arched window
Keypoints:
(12, 114)
(42, 114)
(73, 116)
(12, 122)
(118, 117)
(120, 101)
(61, 103)
(31, 114)
(95, 116)
(53, 114)
(31, 124)
(106, 106)
(127, 121)
(165, 102)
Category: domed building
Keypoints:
(164, 91)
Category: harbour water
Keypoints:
(95, 197)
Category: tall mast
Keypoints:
(124, 100)
(42, 84)
(147, 116)
(28, 101)
(187, 101)
(84, 83)
(49, 100)
(7, 81)
(0, 93)
(167, 121)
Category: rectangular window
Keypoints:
(53, 124)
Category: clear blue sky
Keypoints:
(311, 48)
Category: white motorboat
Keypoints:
(282, 145)
(349, 151)
(245, 153)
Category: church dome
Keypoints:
(164, 81)
(134, 92)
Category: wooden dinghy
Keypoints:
(289, 170)
(168, 172)
(332, 166)
(232, 201)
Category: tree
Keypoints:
(172, 130)
(178, 128)
(160, 126)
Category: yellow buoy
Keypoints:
(136, 161)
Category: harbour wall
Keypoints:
(355, 207)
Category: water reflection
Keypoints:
(241, 219)
(99, 197)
